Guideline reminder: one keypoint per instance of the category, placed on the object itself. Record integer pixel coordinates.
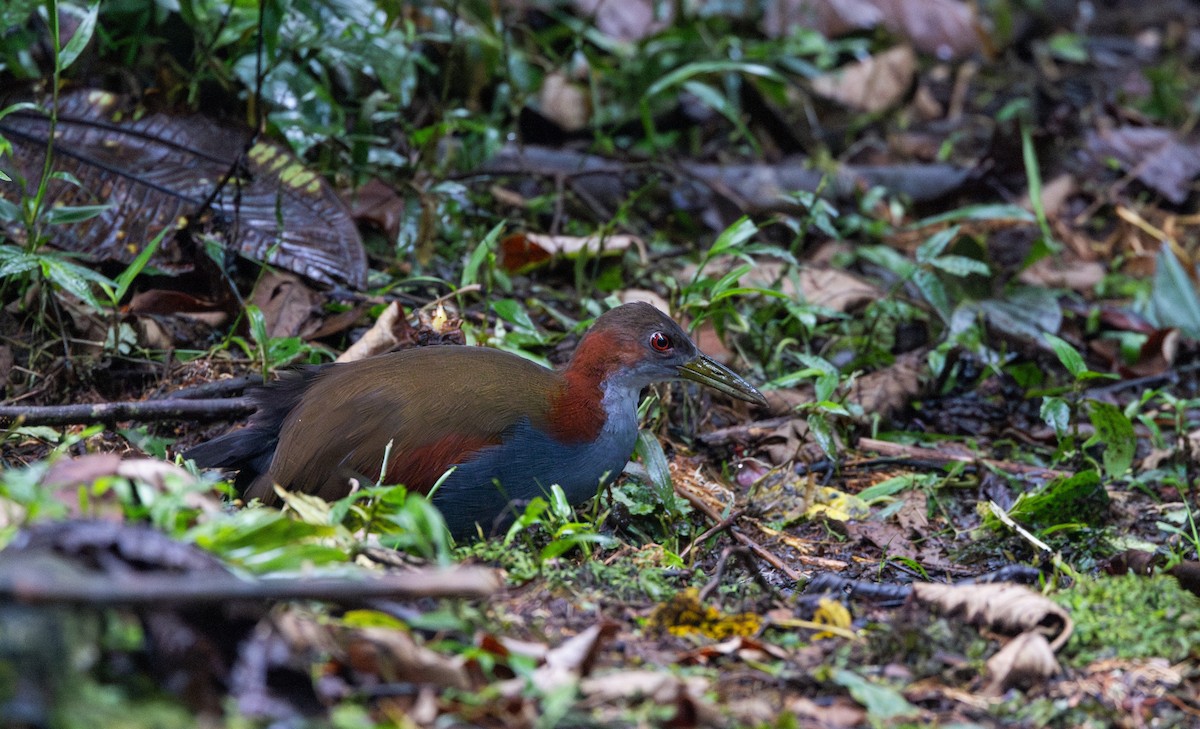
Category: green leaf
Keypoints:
(1070, 358)
(650, 451)
(937, 243)
(74, 279)
(1057, 414)
(977, 212)
(822, 432)
(960, 265)
(888, 258)
(134, 269)
(68, 214)
(699, 68)
(470, 274)
(733, 237)
(83, 32)
(933, 291)
(1115, 432)
(892, 486)
(1173, 298)
(729, 279)
(881, 702)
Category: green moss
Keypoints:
(1130, 617)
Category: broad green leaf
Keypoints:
(83, 32)
(68, 214)
(733, 237)
(1115, 433)
(933, 291)
(1057, 414)
(1070, 358)
(822, 432)
(1173, 298)
(882, 702)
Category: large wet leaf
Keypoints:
(156, 170)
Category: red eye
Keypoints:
(660, 342)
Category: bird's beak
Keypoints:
(707, 371)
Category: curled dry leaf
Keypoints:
(1025, 661)
(1006, 608)
(385, 333)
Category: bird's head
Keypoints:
(636, 344)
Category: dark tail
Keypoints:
(250, 449)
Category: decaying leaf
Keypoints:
(1156, 157)
(1006, 608)
(872, 84)
(159, 170)
(1024, 661)
(522, 252)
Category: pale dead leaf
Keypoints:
(947, 29)
(835, 289)
(872, 84)
(627, 20)
(382, 336)
(1027, 660)
(1056, 273)
(1004, 607)
(657, 686)
(573, 659)
(629, 296)
(830, 18)
(564, 102)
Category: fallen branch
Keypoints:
(139, 410)
(46, 579)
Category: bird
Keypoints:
(509, 427)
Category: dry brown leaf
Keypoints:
(1025, 661)
(891, 389)
(290, 307)
(1156, 157)
(1004, 607)
(872, 84)
(946, 29)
